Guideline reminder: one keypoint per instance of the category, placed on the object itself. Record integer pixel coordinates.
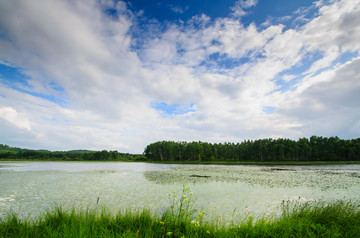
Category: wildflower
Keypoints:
(196, 223)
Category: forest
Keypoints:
(317, 148)
(12, 153)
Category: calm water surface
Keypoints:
(224, 192)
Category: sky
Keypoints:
(119, 75)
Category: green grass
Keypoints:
(316, 219)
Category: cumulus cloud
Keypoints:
(12, 116)
(226, 72)
(329, 106)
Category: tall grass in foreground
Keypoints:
(318, 219)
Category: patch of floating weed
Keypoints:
(256, 175)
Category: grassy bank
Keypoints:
(335, 220)
(317, 219)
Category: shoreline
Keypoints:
(275, 163)
(293, 163)
(296, 220)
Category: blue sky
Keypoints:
(118, 75)
(174, 11)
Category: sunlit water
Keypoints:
(227, 193)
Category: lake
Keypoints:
(224, 192)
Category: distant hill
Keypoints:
(14, 153)
(81, 151)
(6, 148)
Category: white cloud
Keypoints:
(109, 86)
(240, 5)
(12, 116)
(162, 50)
(335, 27)
(248, 3)
(178, 9)
(330, 105)
(237, 41)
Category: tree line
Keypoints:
(316, 148)
(12, 153)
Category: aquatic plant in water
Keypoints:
(258, 175)
(181, 204)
